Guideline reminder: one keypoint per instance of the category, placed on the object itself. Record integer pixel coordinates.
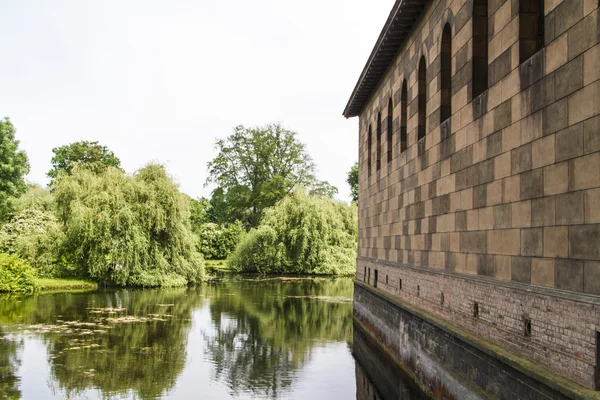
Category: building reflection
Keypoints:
(377, 376)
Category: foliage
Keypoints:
(216, 242)
(90, 155)
(255, 168)
(34, 236)
(301, 235)
(13, 167)
(36, 198)
(324, 189)
(127, 230)
(199, 212)
(16, 275)
(352, 180)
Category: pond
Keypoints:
(233, 339)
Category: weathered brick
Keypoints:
(569, 208)
(521, 269)
(532, 242)
(584, 242)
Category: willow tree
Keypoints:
(127, 230)
(302, 234)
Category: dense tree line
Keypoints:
(268, 212)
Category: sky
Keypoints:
(161, 80)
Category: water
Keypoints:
(235, 339)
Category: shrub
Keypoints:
(217, 242)
(34, 236)
(301, 235)
(127, 230)
(16, 275)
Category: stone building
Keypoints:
(479, 208)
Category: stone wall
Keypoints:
(507, 190)
(445, 365)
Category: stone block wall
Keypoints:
(506, 190)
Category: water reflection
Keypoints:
(267, 338)
(265, 331)
(9, 365)
(378, 377)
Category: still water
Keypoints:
(234, 339)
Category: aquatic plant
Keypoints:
(301, 235)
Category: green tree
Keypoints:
(13, 167)
(352, 180)
(127, 230)
(301, 235)
(255, 168)
(36, 198)
(199, 212)
(89, 154)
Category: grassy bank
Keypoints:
(64, 284)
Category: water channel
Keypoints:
(240, 338)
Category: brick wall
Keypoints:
(507, 189)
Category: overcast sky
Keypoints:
(162, 79)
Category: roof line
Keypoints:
(389, 42)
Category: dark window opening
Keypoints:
(446, 74)
(386, 279)
(390, 132)
(376, 278)
(400, 285)
(369, 276)
(403, 117)
(527, 327)
(369, 149)
(378, 141)
(475, 310)
(365, 275)
(480, 47)
(442, 299)
(418, 291)
(531, 28)
(422, 98)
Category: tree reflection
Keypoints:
(265, 331)
(143, 358)
(9, 365)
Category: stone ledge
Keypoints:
(524, 366)
(552, 292)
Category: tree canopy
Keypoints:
(127, 230)
(91, 155)
(13, 168)
(352, 180)
(255, 168)
(301, 235)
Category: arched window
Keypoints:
(422, 98)
(403, 117)
(378, 141)
(446, 74)
(480, 47)
(369, 148)
(531, 28)
(390, 133)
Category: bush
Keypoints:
(301, 235)
(127, 230)
(34, 236)
(36, 198)
(16, 275)
(217, 242)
